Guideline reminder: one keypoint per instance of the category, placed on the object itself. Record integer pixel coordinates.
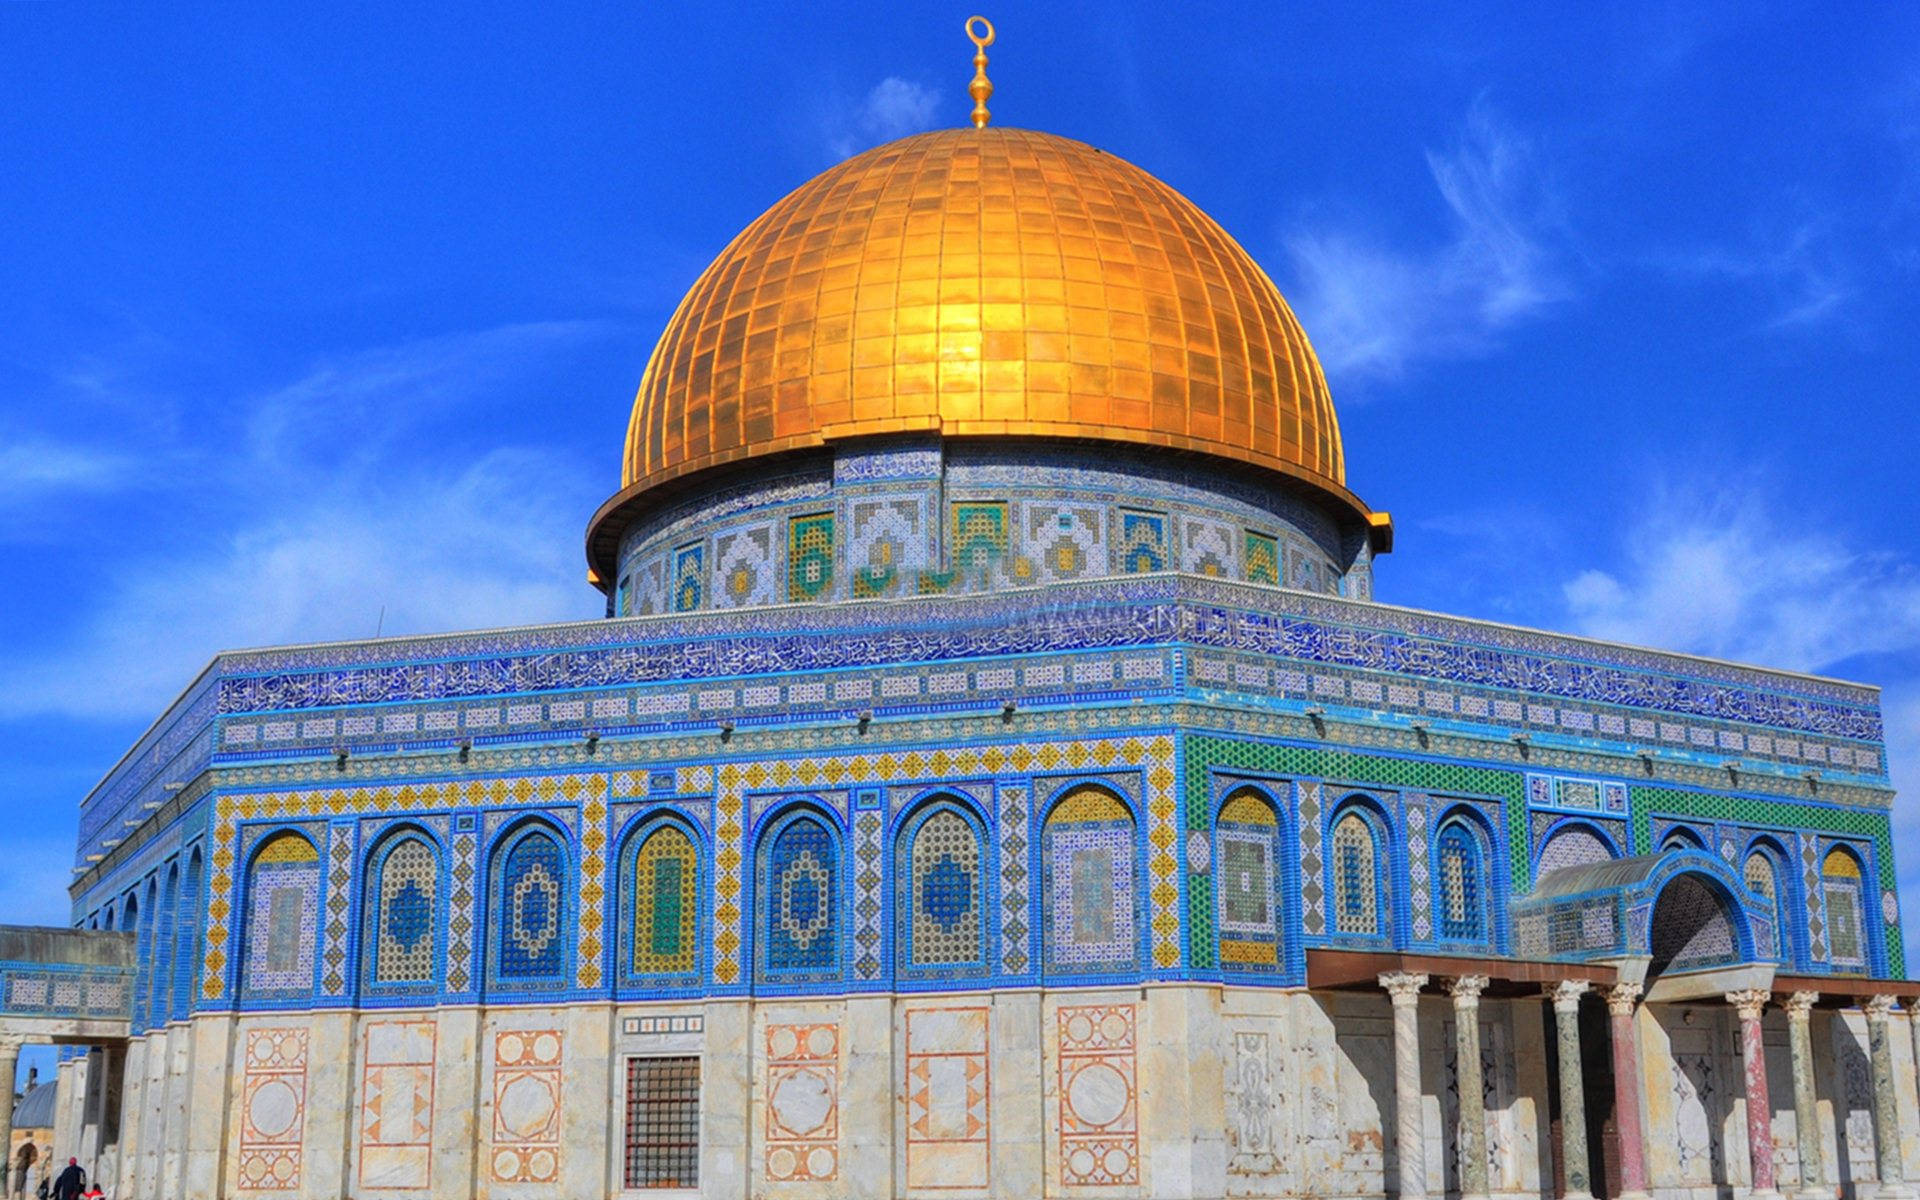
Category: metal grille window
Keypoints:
(663, 1123)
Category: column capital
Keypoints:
(1466, 990)
(1749, 1002)
(1880, 1007)
(1403, 986)
(1799, 1005)
(1622, 997)
(1566, 994)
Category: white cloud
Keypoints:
(36, 468)
(331, 517)
(1799, 273)
(1720, 573)
(1376, 309)
(893, 109)
(1724, 573)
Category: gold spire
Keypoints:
(980, 88)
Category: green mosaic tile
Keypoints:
(1207, 753)
(1872, 824)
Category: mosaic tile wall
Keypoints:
(1030, 694)
(1010, 518)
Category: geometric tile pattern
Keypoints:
(282, 931)
(1249, 900)
(1015, 944)
(405, 914)
(593, 892)
(460, 919)
(665, 904)
(1143, 542)
(273, 1109)
(233, 808)
(1313, 919)
(1462, 882)
(1154, 752)
(333, 955)
(1099, 1118)
(528, 891)
(1088, 897)
(396, 1105)
(526, 1106)
(801, 878)
(1419, 877)
(947, 1091)
(809, 557)
(943, 891)
(1840, 888)
(1356, 876)
(868, 906)
(803, 1103)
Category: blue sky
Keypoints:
(322, 319)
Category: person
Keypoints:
(71, 1180)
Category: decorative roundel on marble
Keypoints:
(1199, 851)
(526, 1105)
(802, 1102)
(274, 1108)
(506, 1164)
(542, 1165)
(1890, 907)
(1098, 1094)
(820, 1163)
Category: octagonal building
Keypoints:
(994, 777)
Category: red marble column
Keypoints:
(1753, 1057)
(1622, 1001)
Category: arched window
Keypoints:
(1249, 916)
(401, 901)
(665, 888)
(939, 879)
(1762, 878)
(1840, 881)
(283, 898)
(188, 953)
(163, 958)
(1681, 838)
(1357, 894)
(531, 912)
(800, 905)
(144, 955)
(1573, 846)
(1088, 893)
(1461, 877)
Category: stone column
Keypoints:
(9, 1066)
(1409, 1134)
(1753, 1061)
(1466, 1073)
(1886, 1113)
(1573, 1099)
(1806, 1114)
(1623, 1002)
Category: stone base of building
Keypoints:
(1169, 1091)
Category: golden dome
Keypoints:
(981, 282)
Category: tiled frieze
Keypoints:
(1154, 753)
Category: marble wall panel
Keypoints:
(273, 1109)
(396, 1105)
(948, 1095)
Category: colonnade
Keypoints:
(1623, 1002)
